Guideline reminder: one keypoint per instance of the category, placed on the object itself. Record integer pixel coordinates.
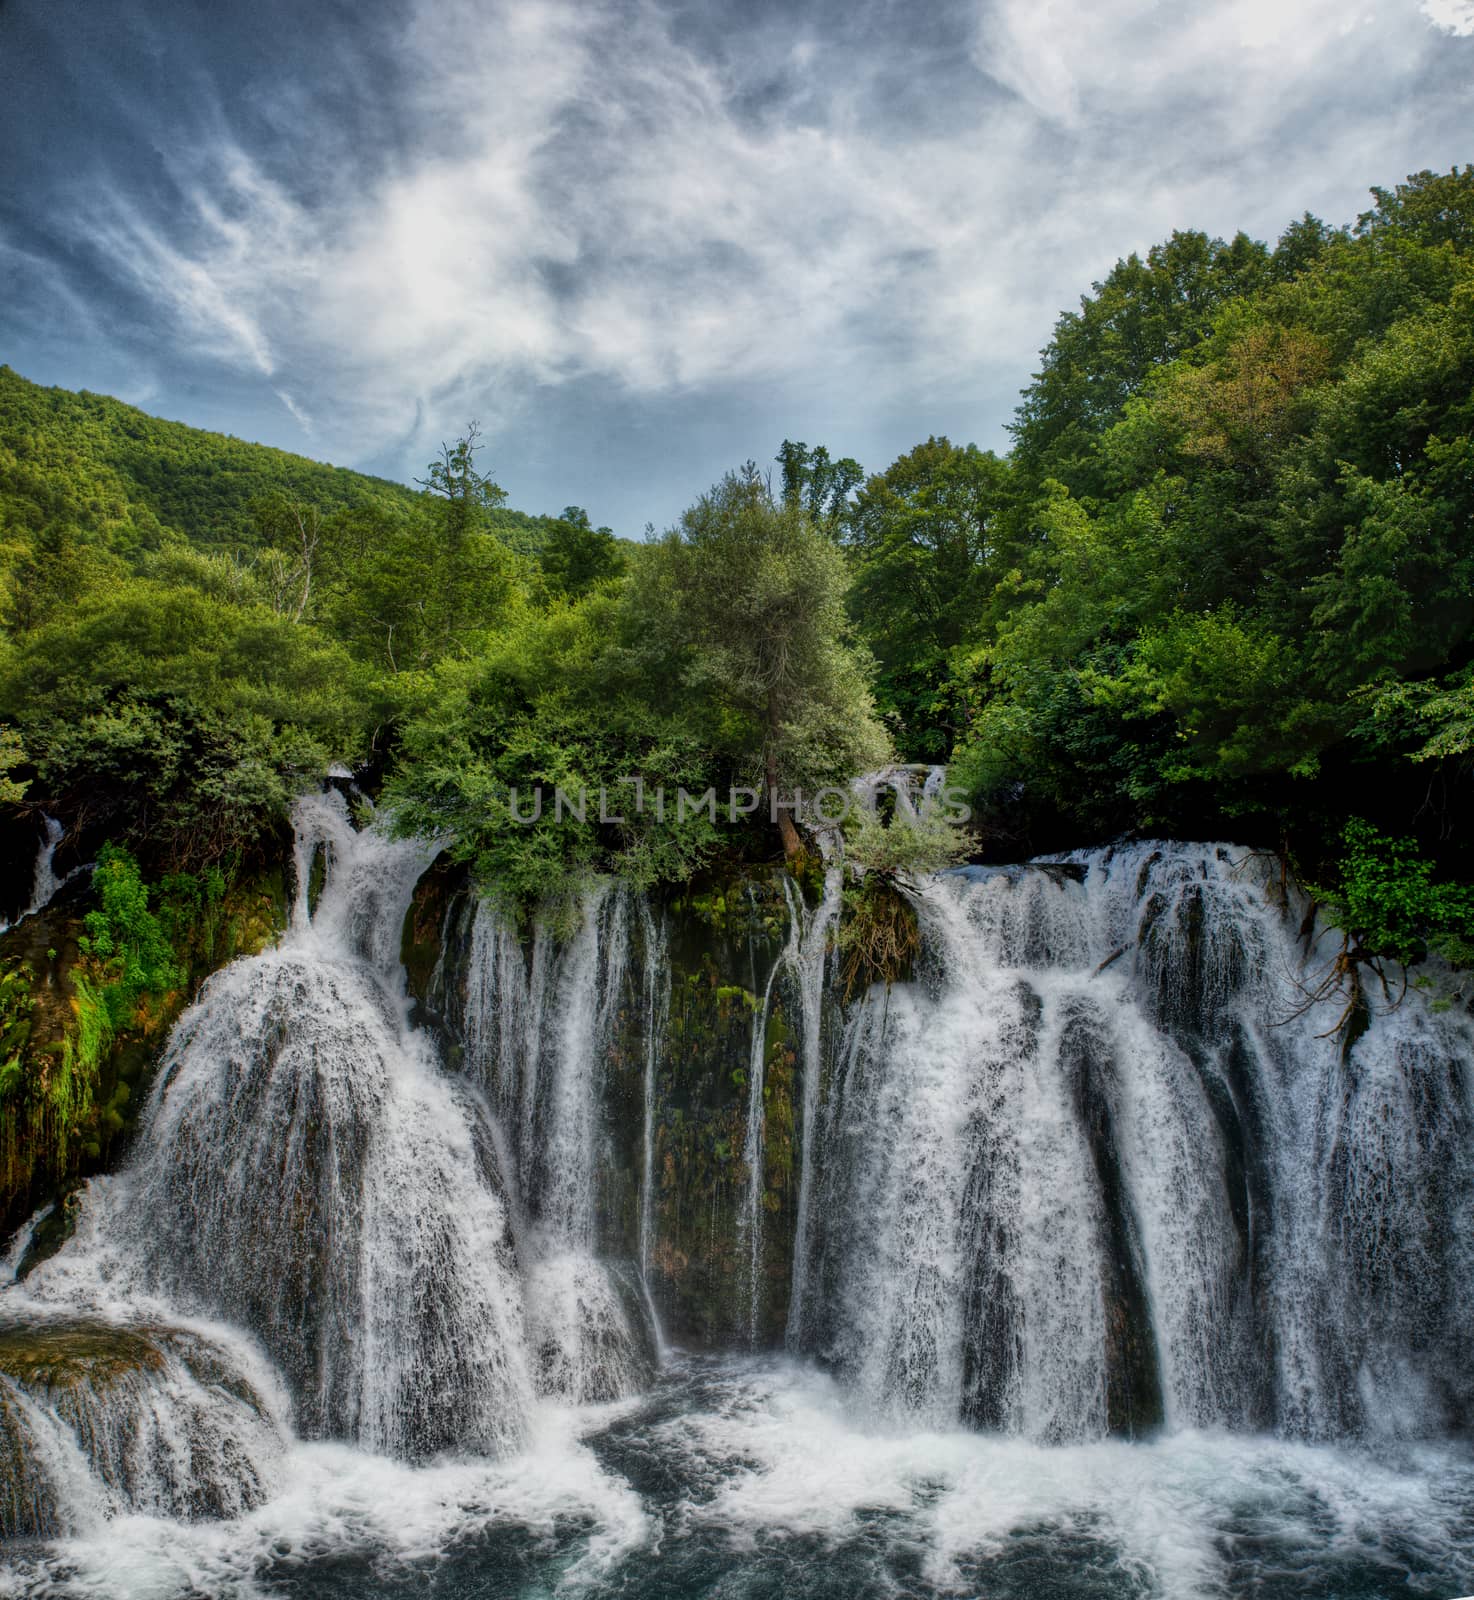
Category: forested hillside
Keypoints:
(117, 476)
(1222, 585)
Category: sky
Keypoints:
(643, 241)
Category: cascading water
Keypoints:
(539, 1026)
(117, 1417)
(1093, 1169)
(44, 881)
(308, 1173)
(751, 1216)
(800, 967)
(811, 973)
(657, 1008)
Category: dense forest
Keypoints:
(1221, 585)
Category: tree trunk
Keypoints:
(792, 844)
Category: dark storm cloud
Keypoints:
(643, 241)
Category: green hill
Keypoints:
(121, 477)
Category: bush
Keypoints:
(911, 846)
(1387, 898)
(126, 940)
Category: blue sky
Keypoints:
(642, 242)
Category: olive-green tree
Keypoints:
(753, 593)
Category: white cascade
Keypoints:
(1099, 1167)
(540, 1027)
(44, 881)
(308, 1172)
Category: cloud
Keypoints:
(1453, 16)
(561, 195)
(294, 410)
(1072, 60)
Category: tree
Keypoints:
(928, 541)
(464, 492)
(577, 556)
(48, 577)
(292, 536)
(754, 592)
(473, 570)
(1145, 313)
(1244, 484)
(812, 480)
(12, 755)
(1432, 207)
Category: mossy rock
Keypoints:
(126, 1395)
(51, 1232)
(39, 1155)
(48, 1356)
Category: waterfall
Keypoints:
(1098, 1168)
(750, 1220)
(811, 972)
(308, 1173)
(1101, 1166)
(540, 1027)
(799, 971)
(44, 881)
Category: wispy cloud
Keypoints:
(600, 193)
(1075, 62)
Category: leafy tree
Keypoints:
(463, 492)
(928, 541)
(579, 700)
(1239, 582)
(1144, 313)
(813, 480)
(12, 755)
(1431, 208)
(295, 549)
(1388, 896)
(1424, 718)
(125, 938)
(753, 595)
(190, 721)
(577, 556)
(48, 576)
(472, 576)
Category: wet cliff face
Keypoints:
(725, 1119)
(692, 1098)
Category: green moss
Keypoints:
(98, 998)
